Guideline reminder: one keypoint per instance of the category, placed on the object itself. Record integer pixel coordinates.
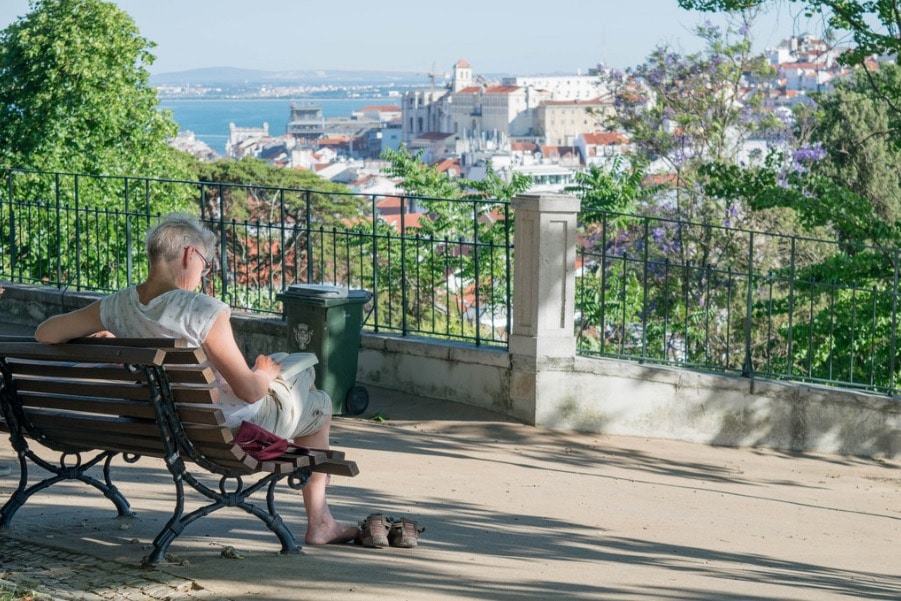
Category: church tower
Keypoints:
(462, 75)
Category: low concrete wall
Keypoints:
(620, 397)
(441, 370)
(594, 395)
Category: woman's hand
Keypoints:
(267, 366)
(102, 334)
(249, 385)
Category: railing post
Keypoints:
(542, 342)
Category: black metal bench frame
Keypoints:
(179, 451)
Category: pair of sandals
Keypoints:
(378, 531)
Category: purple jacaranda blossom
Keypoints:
(809, 153)
(782, 181)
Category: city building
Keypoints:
(560, 122)
(484, 115)
(306, 124)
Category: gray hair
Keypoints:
(175, 232)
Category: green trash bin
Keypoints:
(326, 321)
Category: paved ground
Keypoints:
(511, 512)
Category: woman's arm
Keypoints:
(222, 350)
(65, 327)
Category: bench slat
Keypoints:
(184, 356)
(139, 342)
(112, 390)
(188, 412)
(150, 446)
(178, 374)
(101, 424)
(78, 353)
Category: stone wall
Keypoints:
(592, 395)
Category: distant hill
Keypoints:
(232, 76)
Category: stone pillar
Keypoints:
(542, 342)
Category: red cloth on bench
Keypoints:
(262, 444)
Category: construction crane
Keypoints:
(432, 75)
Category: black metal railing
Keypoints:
(654, 290)
(86, 233)
(738, 301)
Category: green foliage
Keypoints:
(461, 218)
(75, 97)
(861, 136)
(616, 187)
(837, 174)
(255, 190)
(684, 111)
(418, 178)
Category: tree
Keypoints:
(838, 174)
(616, 187)
(861, 139)
(248, 200)
(874, 25)
(251, 191)
(75, 94)
(436, 188)
(683, 111)
(466, 232)
(837, 167)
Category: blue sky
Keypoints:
(523, 37)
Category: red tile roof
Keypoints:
(501, 89)
(605, 138)
(448, 164)
(389, 211)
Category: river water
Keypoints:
(209, 118)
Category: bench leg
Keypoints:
(61, 473)
(180, 520)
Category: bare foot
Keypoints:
(332, 535)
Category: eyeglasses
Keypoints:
(207, 264)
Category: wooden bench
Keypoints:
(95, 398)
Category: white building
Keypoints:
(187, 142)
(547, 178)
(601, 148)
(242, 139)
(492, 111)
(563, 87)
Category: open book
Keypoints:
(294, 363)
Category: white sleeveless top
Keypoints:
(175, 314)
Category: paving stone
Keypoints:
(67, 576)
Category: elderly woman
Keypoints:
(181, 250)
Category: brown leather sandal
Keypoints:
(374, 531)
(404, 533)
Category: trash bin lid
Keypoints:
(317, 291)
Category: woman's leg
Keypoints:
(321, 526)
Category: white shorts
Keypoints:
(293, 407)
